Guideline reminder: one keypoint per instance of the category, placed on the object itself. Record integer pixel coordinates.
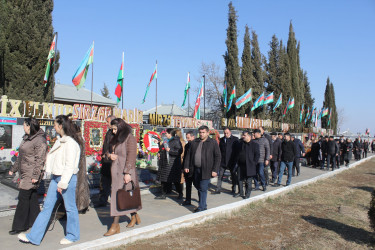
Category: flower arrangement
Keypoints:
(14, 153)
(88, 127)
(149, 142)
(136, 131)
(142, 164)
(95, 167)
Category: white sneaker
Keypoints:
(65, 241)
(22, 237)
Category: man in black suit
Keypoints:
(226, 144)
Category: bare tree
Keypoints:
(341, 117)
(214, 89)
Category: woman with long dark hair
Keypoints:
(62, 162)
(29, 164)
(123, 156)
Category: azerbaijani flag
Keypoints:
(51, 55)
(245, 98)
(301, 114)
(120, 81)
(289, 105)
(325, 112)
(320, 114)
(231, 97)
(316, 119)
(268, 99)
(286, 107)
(197, 108)
(79, 77)
(329, 118)
(153, 76)
(225, 95)
(307, 115)
(259, 102)
(279, 101)
(187, 87)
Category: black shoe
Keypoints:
(257, 188)
(298, 174)
(180, 197)
(97, 205)
(160, 197)
(293, 175)
(237, 195)
(264, 188)
(197, 210)
(186, 203)
(276, 185)
(13, 232)
(216, 192)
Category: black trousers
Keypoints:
(275, 169)
(296, 166)
(189, 184)
(331, 160)
(27, 210)
(233, 177)
(105, 188)
(248, 181)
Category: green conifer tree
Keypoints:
(327, 103)
(285, 83)
(258, 74)
(232, 68)
(25, 36)
(247, 78)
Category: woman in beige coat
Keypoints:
(32, 154)
(123, 170)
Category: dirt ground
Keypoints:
(329, 214)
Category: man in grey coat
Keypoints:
(264, 148)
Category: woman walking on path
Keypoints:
(123, 170)
(62, 162)
(29, 164)
(170, 164)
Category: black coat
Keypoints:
(170, 171)
(299, 147)
(106, 162)
(332, 148)
(288, 151)
(269, 138)
(276, 150)
(226, 149)
(211, 157)
(252, 153)
(315, 147)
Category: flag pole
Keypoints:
(92, 83)
(188, 97)
(156, 82)
(122, 84)
(54, 67)
(204, 96)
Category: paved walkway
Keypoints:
(95, 222)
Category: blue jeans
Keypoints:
(260, 173)
(69, 195)
(283, 165)
(202, 187)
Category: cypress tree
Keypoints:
(334, 118)
(285, 83)
(26, 35)
(327, 103)
(258, 73)
(308, 100)
(294, 71)
(232, 68)
(246, 72)
(273, 74)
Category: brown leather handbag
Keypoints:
(129, 199)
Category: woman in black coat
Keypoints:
(246, 158)
(170, 164)
(315, 150)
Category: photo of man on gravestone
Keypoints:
(6, 136)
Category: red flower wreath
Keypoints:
(137, 128)
(86, 134)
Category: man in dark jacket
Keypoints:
(288, 154)
(300, 151)
(331, 152)
(105, 171)
(246, 156)
(226, 144)
(188, 176)
(264, 148)
(323, 148)
(276, 156)
(204, 161)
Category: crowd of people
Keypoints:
(257, 158)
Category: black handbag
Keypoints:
(128, 199)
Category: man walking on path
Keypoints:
(264, 148)
(226, 144)
(188, 176)
(204, 161)
(323, 149)
(287, 157)
(276, 156)
(267, 166)
(300, 151)
(331, 152)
